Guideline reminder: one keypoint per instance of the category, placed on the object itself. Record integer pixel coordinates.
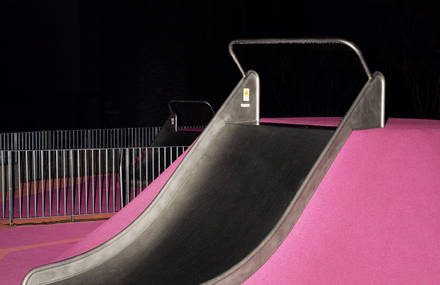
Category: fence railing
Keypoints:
(72, 182)
(79, 139)
(190, 127)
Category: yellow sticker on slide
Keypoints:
(246, 94)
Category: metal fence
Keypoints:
(47, 183)
(79, 139)
(190, 127)
(80, 172)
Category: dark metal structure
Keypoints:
(233, 199)
(186, 121)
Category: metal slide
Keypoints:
(233, 199)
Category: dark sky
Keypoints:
(94, 64)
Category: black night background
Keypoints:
(98, 64)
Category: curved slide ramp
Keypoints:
(229, 204)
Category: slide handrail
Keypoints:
(172, 110)
(325, 41)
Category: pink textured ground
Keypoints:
(375, 218)
(25, 247)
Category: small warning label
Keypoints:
(246, 94)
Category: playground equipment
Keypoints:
(233, 199)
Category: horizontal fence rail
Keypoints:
(79, 139)
(73, 182)
(191, 127)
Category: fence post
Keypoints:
(72, 181)
(127, 176)
(3, 182)
(11, 188)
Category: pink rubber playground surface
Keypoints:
(374, 219)
(25, 247)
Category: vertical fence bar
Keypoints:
(171, 156)
(18, 153)
(164, 158)
(86, 181)
(42, 182)
(159, 169)
(50, 181)
(133, 173)
(11, 188)
(146, 167)
(113, 180)
(78, 180)
(121, 173)
(65, 181)
(3, 183)
(28, 204)
(93, 181)
(57, 174)
(72, 179)
(118, 139)
(152, 163)
(106, 181)
(100, 181)
(136, 143)
(34, 162)
(127, 176)
(88, 139)
(140, 169)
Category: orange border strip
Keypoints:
(5, 251)
(25, 221)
